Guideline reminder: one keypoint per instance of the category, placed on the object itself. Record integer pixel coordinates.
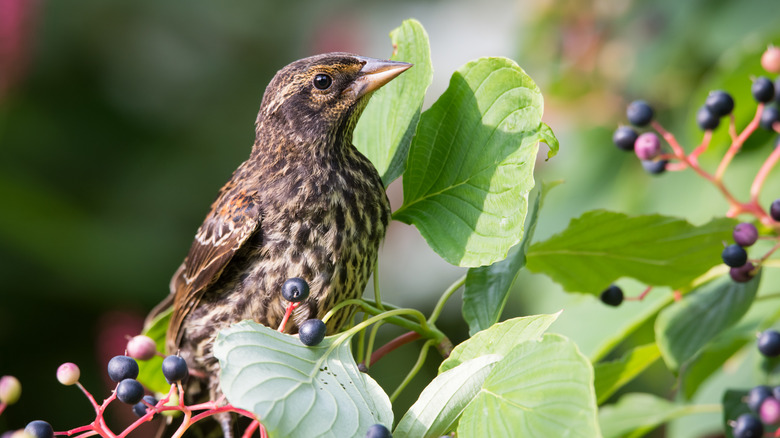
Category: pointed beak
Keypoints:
(374, 74)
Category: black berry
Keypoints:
(311, 332)
(129, 391)
(734, 256)
(706, 119)
(121, 368)
(742, 274)
(639, 113)
(295, 290)
(748, 426)
(612, 296)
(774, 210)
(140, 408)
(719, 103)
(655, 167)
(745, 234)
(378, 431)
(757, 395)
(769, 343)
(174, 368)
(769, 116)
(39, 429)
(763, 89)
(624, 138)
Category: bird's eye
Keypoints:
(322, 81)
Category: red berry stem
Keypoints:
(287, 313)
(392, 345)
(738, 140)
(2, 407)
(758, 183)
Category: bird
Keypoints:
(306, 204)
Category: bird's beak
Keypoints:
(374, 74)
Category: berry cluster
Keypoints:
(763, 401)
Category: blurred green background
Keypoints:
(119, 121)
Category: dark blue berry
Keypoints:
(763, 89)
(757, 395)
(745, 234)
(742, 274)
(174, 368)
(748, 426)
(39, 429)
(769, 343)
(769, 116)
(121, 368)
(706, 119)
(378, 431)
(624, 138)
(776, 392)
(612, 295)
(129, 391)
(639, 113)
(720, 103)
(734, 256)
(140, 408)
(311, 332)
(655, 167)
(295, 290)
(774, 210)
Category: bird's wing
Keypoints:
(233, 218)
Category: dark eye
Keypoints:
(322, 81)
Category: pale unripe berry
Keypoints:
(68, 373)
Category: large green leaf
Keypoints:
(499, 339)
(683, 328)
(636, 414)
(542, 388)
(601, 246)
(150, 371)
(439, 406)
(611, 376)
(387, 125)
(471, 163)
(297, 390)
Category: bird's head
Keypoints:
(322, 96)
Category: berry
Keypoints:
(742, 274)
(776, 392)
(769, 116)
(774, 210)
(655, 167)
(745, 234)
(378, 431)
(39, 429)
(763, 89)
(706, 119)
(770, 59)
(647, 146)
(719, 103)
(129, 391)
(624, 138)
(295, 290)
(612, 296)
(770, 411)
(141, 347)
(174, 369)
(734, 256)
(311, 332)
(10, 390)
(748, 426)
(121, 368)
(68, 373)
(757, 395)
(140, 408)
(769, 343)
(639, 113)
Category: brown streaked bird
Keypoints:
(305, 204)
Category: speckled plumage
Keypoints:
(305, 204)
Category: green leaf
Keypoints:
(611, 376)
(499, 339)
(601, 246)
(297, 390)
(636, 414)
(441, 403)
(487, 287)
(150, 371)
(385, 129)
(471, 163)
(541, 388)
(686, 326)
